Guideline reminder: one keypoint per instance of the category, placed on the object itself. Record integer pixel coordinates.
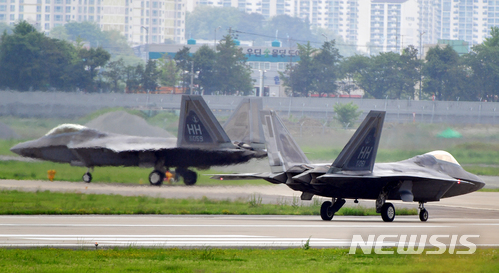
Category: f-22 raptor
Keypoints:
(201, 143)
(354, 175)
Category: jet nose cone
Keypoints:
(23, 149)
(17, 149)
(479, 185)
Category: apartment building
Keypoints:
(140, 21)
(383, 25)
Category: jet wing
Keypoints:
(276, 178)
(122, 143)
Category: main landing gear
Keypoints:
(328, 208)
(190, 177)
(87, 177)
(387, 210)
(423, 213)
(157, 176)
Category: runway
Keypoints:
(475, 214)
(229, 231)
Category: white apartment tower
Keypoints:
(140, 21)
(393, 25)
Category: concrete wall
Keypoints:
(59, 104)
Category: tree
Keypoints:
(169, 72)
(115, 73)
(444, 76)
(407, 74)
(183, 59)
(150, 76)
(133, 75)
(59, 32)
(86, 30)
(346, 114)
(30, 60)
(110, 40)
(231, 72)
(385, 75)
(299, 77)
(5, 28)
(92, 60)
(294, 29)
(204, 20)
(484, 63)
(325, 69)
(204, 64)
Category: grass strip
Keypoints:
(490, 190)
(237, 260)
(13, 202)
(20, 170)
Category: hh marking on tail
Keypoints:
(365, 152)
(194, 129)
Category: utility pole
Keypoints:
(192, 76)
(215, 40)
(147, 42)
(420, 63)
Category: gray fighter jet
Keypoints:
(201, 143)
(244, 127)
(353, 175)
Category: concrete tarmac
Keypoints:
(475, 214)
(236, 231)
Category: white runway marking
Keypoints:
(166, 240)
(228, 226)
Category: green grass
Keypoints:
(6, 144)
(20, 170)
(489, 190)
(237, 260)
(45, 202)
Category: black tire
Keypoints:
(388, 212)
(87, 177)
(423, 215)
(190, 177)
(326, 211)
(156, 178)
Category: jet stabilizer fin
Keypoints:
(359, 153)
(282, 150)
(244, 125)
(198, 127)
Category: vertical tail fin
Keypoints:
(244, 124)
(198, 127)
(282, 150)
(360, 152)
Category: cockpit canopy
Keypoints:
(66, 128)
(444, 156)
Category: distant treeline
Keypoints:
(441, 75)
(30, 60)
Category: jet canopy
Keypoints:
(444, 156)
(66, 128)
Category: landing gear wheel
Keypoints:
(423, 215)
(87, 177)
(156, 178)
(190, 178)
(326, 211)
(388, 212)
